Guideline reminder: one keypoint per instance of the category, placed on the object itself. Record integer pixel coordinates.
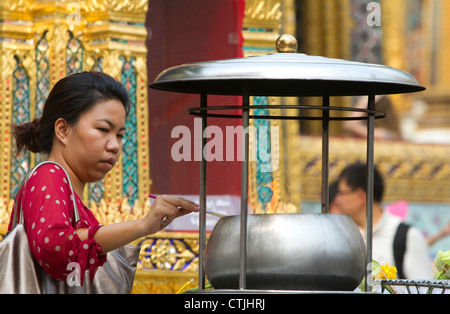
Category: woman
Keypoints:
(81, 128)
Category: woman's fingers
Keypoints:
(171, 207)
(181, 202)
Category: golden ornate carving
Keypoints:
(118, 6)
(394, 35)
(290, 195)
(7, 61)
(443, 62)
(262, 24)
(162, 281)
(262, 13)
(261, 28)
(15, 9)
(433, 64)
(145, 181)
(169, 254)
(413, 172)
(99, 25)
(325, 30)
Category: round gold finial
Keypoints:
(286, 43)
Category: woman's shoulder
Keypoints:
(48, 174)
(49, 168)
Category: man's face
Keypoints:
(350, 201)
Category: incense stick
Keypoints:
(208, 211)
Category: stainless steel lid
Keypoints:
(286, 73)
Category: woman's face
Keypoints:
(94, 143)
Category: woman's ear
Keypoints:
(61, 130)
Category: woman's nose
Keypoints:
(113, 145)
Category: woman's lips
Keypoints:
(109, 163)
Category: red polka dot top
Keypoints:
(47, 206)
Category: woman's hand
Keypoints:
(164, 210)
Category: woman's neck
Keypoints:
(77, 184)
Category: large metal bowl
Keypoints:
(314, 252)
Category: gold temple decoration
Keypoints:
(263, 22)
(324, 29)
(413, 172)
(393, 25)
(111, 34)
(435, 64)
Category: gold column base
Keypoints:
(163, 282)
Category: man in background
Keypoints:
(393, 242)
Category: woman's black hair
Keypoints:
(69, 98)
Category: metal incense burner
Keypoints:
(286, 251)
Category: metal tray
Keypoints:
(404, 286)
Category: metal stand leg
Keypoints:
(202, 213)
(325, 156)
(244, 195)
(369, 197)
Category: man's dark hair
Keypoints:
(333, 190)
(355, 176)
